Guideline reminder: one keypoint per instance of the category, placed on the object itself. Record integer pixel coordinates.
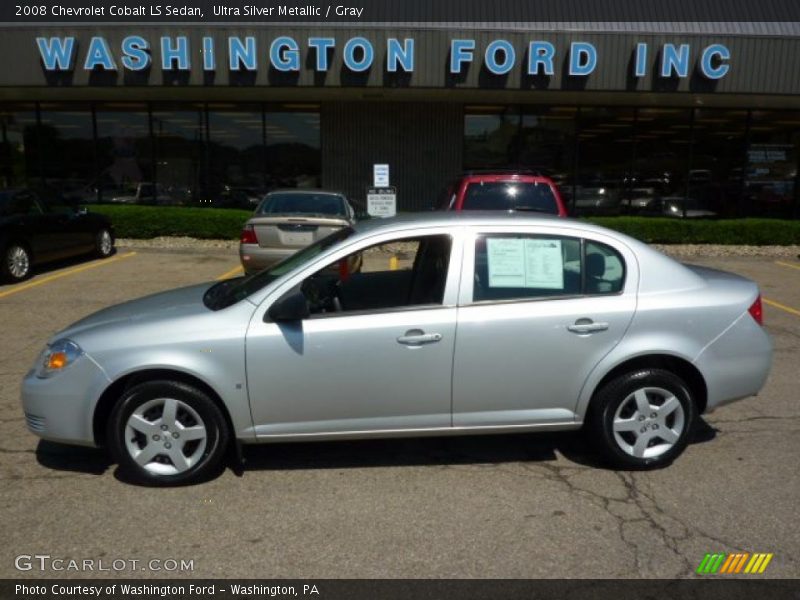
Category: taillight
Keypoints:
(756, 311)
(248, 235)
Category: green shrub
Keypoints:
(145, 222)
(222, 223)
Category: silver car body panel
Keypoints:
(499, 366)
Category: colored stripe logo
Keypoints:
(737, 562)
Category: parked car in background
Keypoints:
(513, 190)
(495, 324)
(679, 207)
(594, 196)
(287, 220)
(34, 231)
(145, 193)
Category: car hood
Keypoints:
(182, 302)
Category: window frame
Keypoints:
(277, 289)
(629, 272)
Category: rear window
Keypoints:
(302, 204)
(510, 195)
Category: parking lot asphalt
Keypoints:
(486, 506)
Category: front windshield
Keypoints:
(227, 293)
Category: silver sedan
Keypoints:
(438, 324)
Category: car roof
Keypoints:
(472, 217)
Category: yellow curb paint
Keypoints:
(785, 264)
(230, 273)
(26, 286)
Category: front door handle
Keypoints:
(417, 337)
(587, 326)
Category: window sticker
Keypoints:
(525, 263)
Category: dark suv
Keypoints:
(503, 190)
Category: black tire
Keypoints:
(208, 454)
(609, 400)
(103, 243)
(10, 265)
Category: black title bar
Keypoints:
(31, 12)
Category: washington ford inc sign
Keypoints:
(285, 53)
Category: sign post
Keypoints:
(382, 202)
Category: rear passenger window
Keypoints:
(516, 267)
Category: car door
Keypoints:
(34, 225)
(376, 352)
(538, 311)
(75, 229)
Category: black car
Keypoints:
(34, 231)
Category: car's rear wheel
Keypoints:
(104, 243)
(643, 419)
(167, 433)
(16, 264)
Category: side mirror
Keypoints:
(290, 307)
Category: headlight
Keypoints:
(57, 357)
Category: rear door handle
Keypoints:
(587, 326)
(417, 337)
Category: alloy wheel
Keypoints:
(18, 262)
(165, 436)
(648, 422)
(106, 244)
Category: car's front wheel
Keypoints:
(167, 433)
(16, 264)
(643, 419)
(104, 244)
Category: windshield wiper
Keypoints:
(533, 209)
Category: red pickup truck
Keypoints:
(504, 190)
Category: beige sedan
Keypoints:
(286, 221)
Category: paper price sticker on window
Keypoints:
(525, 263)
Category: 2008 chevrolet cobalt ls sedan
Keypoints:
(419, 325)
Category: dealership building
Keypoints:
(186, 113)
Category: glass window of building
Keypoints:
(663, 138)
(66, 146)
(180, 165)
(125, 154)
(491, 136)
(717, 160)
(771, 172)
(18, 162)
(546, 142)
(293, 147)
(605, 179)
(237, 170)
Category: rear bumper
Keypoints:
(255, 258)
(737, 363)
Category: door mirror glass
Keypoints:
(290, 307)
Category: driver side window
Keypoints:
(407, 272)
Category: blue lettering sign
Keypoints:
(640, 70)
(675, 60)
(541, 54)
(99, 55)
(284, 54)
(179, 53)
(367, 54)
(135, 54)
(582, 59)
(397, 55)
(460, 53)
(209, 58)
(56, 53)
(242, 55)
(509, 57)
(322, 45)
(720, 53)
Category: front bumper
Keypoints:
(61, 408)
(255, 258)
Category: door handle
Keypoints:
(587, 326)
(417, 337)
